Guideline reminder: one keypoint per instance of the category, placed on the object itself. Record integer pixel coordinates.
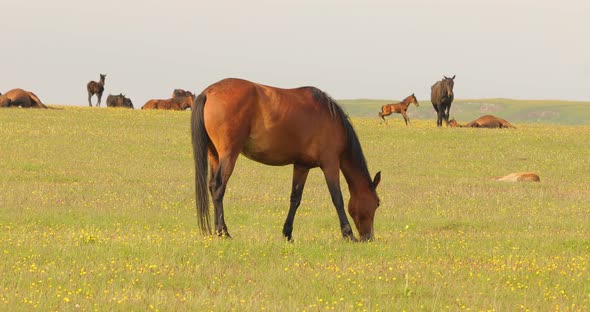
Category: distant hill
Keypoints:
(515, 111)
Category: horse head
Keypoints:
(4, 101)
(127, 102)
(448, 84)
(187, 101)
(362, 207)
(414, 100)
(452, 123)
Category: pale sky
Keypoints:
(523, 49)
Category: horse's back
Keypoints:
(151, 104)
(18, 97)
(271, 125)
(490, 121)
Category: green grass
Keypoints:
(97, 213)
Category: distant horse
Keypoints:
(399, 108)
(304, 127)
(487, 121)
(441, 96)
(180, 103)
(22, 98)
(520, 177)
(119, 101)
(180, 93)
(97, 88)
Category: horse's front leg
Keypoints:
(440, 117)
(447, 112)
(406, 118)
(332, 175)
(299, 178)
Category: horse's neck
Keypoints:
(405, 103)
(356, 177)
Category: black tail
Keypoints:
(200, 141)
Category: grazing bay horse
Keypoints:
(178, 103)
(441, 96)
(303, 127)
(487, 121)
(399, 108)
(97, 88)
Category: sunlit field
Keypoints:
(97, 214)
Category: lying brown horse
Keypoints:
(304, 127)
(487, 121)
(22, 98)
(520, 177)
(179, 103)
(399, 108)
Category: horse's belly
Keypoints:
(278, 153)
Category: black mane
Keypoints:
(353, 143)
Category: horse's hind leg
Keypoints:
(90, 99)
(382, 115)
(299, 178)
(221, 170)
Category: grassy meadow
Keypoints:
(97, 214)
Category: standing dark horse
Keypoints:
(399, 108)
(441, 96)
(97, 88)
(304, 127)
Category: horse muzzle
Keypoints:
(367, 237)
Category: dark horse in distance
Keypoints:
(304, 127)
(441, 96)
(97, 88)
(400, 108)
(119, 101)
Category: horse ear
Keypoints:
(453, 77)
(446, 77)
(376, 180)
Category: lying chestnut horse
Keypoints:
(303, 127)
(487, 121)
(520, 177)
(22, 98)
(399, 108)
(178, 103)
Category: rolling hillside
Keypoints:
(515, 111)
